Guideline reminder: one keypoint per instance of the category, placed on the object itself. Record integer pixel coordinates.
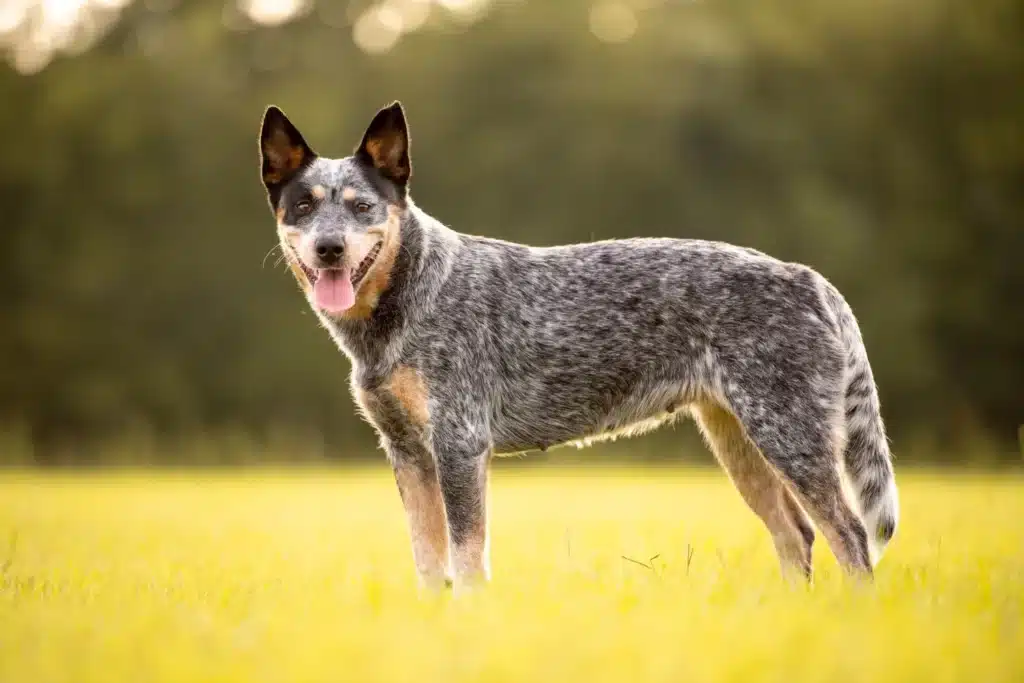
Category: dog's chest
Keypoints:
(395, 402)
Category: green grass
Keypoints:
(308, 577)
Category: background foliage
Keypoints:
(880, 142)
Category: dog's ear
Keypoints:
(385, 144)
(282, 150)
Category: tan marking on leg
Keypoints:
(348, 194)
(379, 277)
(406, 385)
(318, 192)
(758, 484)
(428, 526)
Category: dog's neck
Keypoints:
(421, 266)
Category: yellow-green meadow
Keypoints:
(606, 575)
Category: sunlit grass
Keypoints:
(308, 577)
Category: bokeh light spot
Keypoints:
(378, 29)
(612, 22)
(272, 12)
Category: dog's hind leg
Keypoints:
(801, 434)
(760, 487)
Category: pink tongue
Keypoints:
(333, 291)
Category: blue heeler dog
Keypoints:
(464, 347)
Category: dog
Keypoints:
(463, 347)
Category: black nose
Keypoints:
(329, 250)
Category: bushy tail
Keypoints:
(867, 458)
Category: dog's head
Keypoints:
(338, 220)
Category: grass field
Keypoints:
(307, 577)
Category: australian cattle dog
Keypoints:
(463, 347)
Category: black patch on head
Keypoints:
(385, 145)
(283, 152)
(286, 197)
(365, 178)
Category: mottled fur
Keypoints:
(465, 346)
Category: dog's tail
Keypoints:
(866, 455)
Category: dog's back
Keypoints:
(572, 341)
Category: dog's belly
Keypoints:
(553, 439)
(542, 425)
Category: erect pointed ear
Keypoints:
(282, 150)
(385, 144)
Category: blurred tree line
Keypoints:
(879, 142)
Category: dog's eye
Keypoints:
(303, 206)
(362, 207)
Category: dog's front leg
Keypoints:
(462, 462)
(420, 491)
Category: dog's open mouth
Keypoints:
(334, 288)
(364, 265)
(355, 277)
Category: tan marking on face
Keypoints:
(300, 275)
(318, 192)
(348, 194)
(357, 246)
(289, 238)
(428, 525)
(377, 280)
(287, 233)
(406, 385)
(280, 215)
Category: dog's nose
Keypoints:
(329, 250)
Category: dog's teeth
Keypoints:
(364, 266)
